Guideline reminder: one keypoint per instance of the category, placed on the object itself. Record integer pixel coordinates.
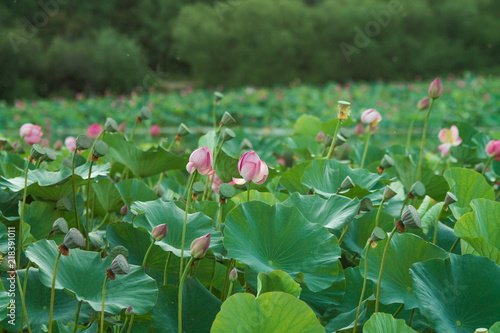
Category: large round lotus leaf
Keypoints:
(107, 195)
(334, 213)
(38, 303)
(270, 312)
(82, 273)
(467, 185)
(458, 294)
(142, 163)
(159, 212)
(269, 238)
(53, 185)
(495, 328)
(199, 308)
(404, 250)
(290, 179)
(133, 190)
(277, 281)
(385, 323)
(255, 195)
(41, 215)
(325, 177)
(480, 229)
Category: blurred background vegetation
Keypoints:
(59, 47)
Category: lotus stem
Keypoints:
(23, 291)
(124, 324)
(398, 310)
(93, 144)
(214, 115)
(23, 304)
(367, 143)
(332, 146)
(382, 268)
(424, 133)
(455, 244)
(181, 285)
(436, 224)
(131, 323)
(219, 215)
(213, 276)
(230, 289)
(226, 279)
(378, 212)
(133, 131)
(362, 290)
(404, 204)
(102, 222)
(20, 241)
(53, 291)
(411, 317)
(410, 130)
(103, 303)
(77, 316)
(74, 192)
(486, 165)
(166, 268)
(87, 208)
(248, 192)
(147, 253)
(190, 186)
(344, 231)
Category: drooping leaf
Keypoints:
(277, 281)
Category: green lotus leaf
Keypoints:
(404, 250)
(480, 229)
(11, 165)
(385, 323)
(325, 177)
(53, 185)
(266, 197)
(4, 302)
(458, 294)
(134, 190)
(277, 281)
(290, 179)
(199, 308)
(495, 328)
(270, 312)
(82, 273)
(269, 238)
(227, 167)
(41, 215)
(467, 185)
(159, 212)
(430, 216)
(142, 163)
(107, 195)
(9, 205)
(334, 213)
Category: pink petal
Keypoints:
(444, 149)
(239, 181)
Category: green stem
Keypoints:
(226, 279)
(77, 316)
(437, 164)
(74, 192)
(131, 323)
(248, 192)
(401, 307)
(213, 276)
(343, 234)
(133, 131)
(205, 190)
(411, 317)
(404, 204)
(378, 212)
(124, 324)
(436, 225)
(181, 285)
(87, 208)
(103, 303)
(102, 222)
(230, 290)
(410, 130)
(53, 291)
(219, 215)
(214, 115)
(191, 182)
(20, 245)
(486, 165)
(171, 145)
(367, 143)
(332, 146)
(362, 290)
(455, 244)
(23, 290)
(93, 145)
(23, 304)
(382, 268)
(147, 253)
(166, 268)
(158, 185)
(419, 169)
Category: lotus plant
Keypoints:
(371, 117)
(422, 105)
(492, 149)
(448, 200)
(83, 142)
(119, 266)
(159, 232)
(344, 111)
(31, 133)
(252, 169)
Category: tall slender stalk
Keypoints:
(103, 303)
(367, 143)
(398, 311)
(410, 130)
(77, 316)
(23, 304)
(102, 222)
(147, 253)
(20, 242)
(362, 290)
(87, 208)
(454, 244)
(166, 269)
(133, 131)
(332, 146)
(23, 290)
(424, 133)
(192, 178)
(79, 227)
(179, 300)
(486, 165)
(131, 323)
(436, 225)
(248, 192)
(219, 215)
(378, 212)
(382, 268)
(53, 291)
(124, 324)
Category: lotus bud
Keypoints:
(159, 232)
(245, 144)
(423, 104)
(328, 140)
(101, 148)
(37, 152)
(111, 126)
(320, 137)
(63, 204)
(233, 275)
(198, 188)
(218, 97)
(417, 190)
(346, 184)
(386, 163)
(450, 199)
(117, 250)
(344, 110)
(389, 193)
(72, 240)
(227, 119)
(122, 127)
(226, 191)
(154, 130)
(60, 226)
(144, 114)
(340, 140)
(410, 218)
(199, 246)
(118, 266)
(58, 145)
(49, 156)
(83, 142)
(228, 135)
(365, 205)
(492, 149)
(359, 130)
(435, 89)
(124, 210)
(128, 311)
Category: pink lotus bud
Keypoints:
(58, 145)
(128, 311)
(94, 130)
(154, 131)
(423, 104)
(122, 127)
(159, 232)
(320, 137)
(124, 210)
(201, 160)
(45, 142)
(252, 169)
(371, 116)
(493, 149)
(31, 133)
(359, 129)
(435, 89)
(233, 275)
(70, 143)
(199, 246)
(448, 138)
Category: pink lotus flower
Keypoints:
(70, 143)
(493, 149)
(449, 138)
(31, 133)
(435, 89)
(94, 130)
(371, 116)
(154, 131)
(122, 127)
(252, 169)
(201, 160)
(217, 182)
(199, 246)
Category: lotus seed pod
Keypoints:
(387, 162)
(450, 199)
(347, 183)
(96, 240)
(366, 205)
(128, 311)
(159, 190)
(328, 140)
(340, 140)
(111, 126)
(183, 130)
(63, 204)
(226, 191)
(101, 148)
(218, 97)
(227, 119)
(479, 167)
(228, 135)
(117, 250)
(83, 142)
(37, 152)
(481, 330)
(417, 190)
(198, 188)
(378, 234)
(344, 110)
(199, 246)
(410, 218)
(49, 156)
(159, 232)
(74, 239)
(389, 193)
(145, 114)
(124, 210)
(245, 144)
(233, 275)
(120, 265)
(60, 226)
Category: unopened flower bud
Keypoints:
(60, 226)
(359, 130)
(233, 275)
(228, 135)
(450, 199)
(389, 193)
(320, 137)
(410, 218)
(159, 232)
(423, 104)
(83, 142)
(117, 250)
(199, 246)
(417, 190)
(435, 89)
(124, 210)
(218, 97)
(58, 145)
(128, 311)
(344, 110)
(227, 119)
(111, 126)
